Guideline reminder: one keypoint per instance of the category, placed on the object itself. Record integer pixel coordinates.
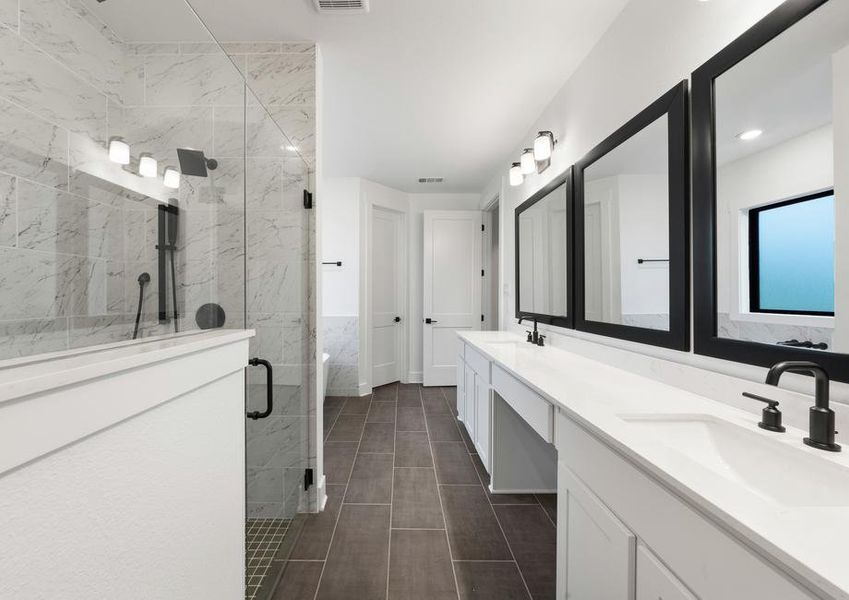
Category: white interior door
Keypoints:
(386, 334)
(452, 288)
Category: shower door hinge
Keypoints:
(307, 199)
(482, 275)
(483, 227)
(308, 479)
(482, 319)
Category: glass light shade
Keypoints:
(528, 164)
(516, 177)
(543, 146)
(148, 166)
(119, 151)
(171, 179)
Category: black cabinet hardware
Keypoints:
(430, 321)
(338, 263)
(650, 260)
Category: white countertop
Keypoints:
(805, 539)
(34, 374)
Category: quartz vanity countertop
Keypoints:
(35, 374)
(804, 534)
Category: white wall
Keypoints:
(651, 46)
(346, 208)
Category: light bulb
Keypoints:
(171, 179)
(528, 164)
(516, 177)
(119, 151)
(543, 145)
(147, 166)
(751, 134)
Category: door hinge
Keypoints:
(482, 275)
(307, 199)
(482, 319)
(308, 479)
(483, 227)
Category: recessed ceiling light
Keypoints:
(751, 134)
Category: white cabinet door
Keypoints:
(596, 553)
(461, 389)
(484, 427)
(655, 581)
(470, 420)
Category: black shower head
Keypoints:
(194, 162)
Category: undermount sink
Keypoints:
(775, 471)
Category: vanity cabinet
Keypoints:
(655, 581)
(474, 401)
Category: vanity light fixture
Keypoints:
(528, 164)
(171, 178)
(119, 151)
(516, 177)
(543, 146)
(750, 134)
(148, 166)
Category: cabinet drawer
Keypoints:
(533, 408)
(478, 362)
(655, 581)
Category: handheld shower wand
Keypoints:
(144, 279)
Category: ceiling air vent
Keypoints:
(431, 179)
(341, 6)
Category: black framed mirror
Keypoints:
(632, 229)
(544, 256)
(770, 115)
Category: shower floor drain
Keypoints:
(263, 539)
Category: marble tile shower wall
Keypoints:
(76, 230)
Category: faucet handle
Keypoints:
(530, 336)
(770, 416)
(541, 340)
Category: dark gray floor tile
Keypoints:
(410, 418)
(443, 428)
(338, 460)
(453, 463)
(381, 412)
(472, 528)
(332, 408)
(412, 449)
(318, 528)
(348, 428)
(299, 581)
(415, 500)
(470, 445)
(420, 567)
(358, 563)
(386, 392)
(490, 580)
(356, 406)
(501, 498)
(378, 437)
(549, 503)
(533, 540)
(434, 403)
(371, 480)
(409, 396)
(450, 394)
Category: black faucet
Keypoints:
(821, 417)
(533, 336)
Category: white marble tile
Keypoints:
(9, 14)
(8, 211)
(145, 48)
(200, 48)
(252, 47)
(32, 79)
(71, 37)
(24, 338)
(286, 79)
(50, 220)
(280, 444)
(160, 130)
(264, 484)
(299, 125)
(223, 188)
(31, 147)
(102, 329)
(192, 80)
(298, 48)
(342, 339)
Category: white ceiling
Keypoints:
(415, 88)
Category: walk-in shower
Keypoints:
(148, 188)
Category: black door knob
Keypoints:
(397, 319)
(430, 321)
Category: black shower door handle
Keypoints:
(269, 389)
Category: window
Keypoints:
(791, 256)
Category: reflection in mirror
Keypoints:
(542, 244)
(626, 232)
(782, 230)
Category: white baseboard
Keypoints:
(414, 377)
(364, 390)
(321, 493)
(343, 392)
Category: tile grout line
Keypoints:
(439, 494)
(494, 513)
(339, 414)
(392, 494)
(545, 511)
(341, 505)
